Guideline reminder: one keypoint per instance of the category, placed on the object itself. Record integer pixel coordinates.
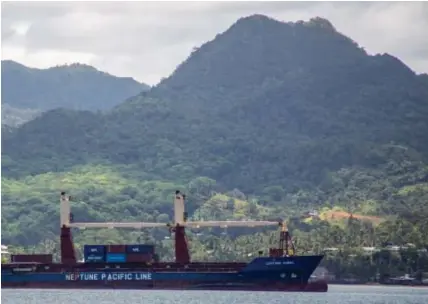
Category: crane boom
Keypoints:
(225, 224)
(134, 225)
(179, 219)
(178, 227)
(139, 225)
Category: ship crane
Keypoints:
(178, 226)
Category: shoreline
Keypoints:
(378, 285)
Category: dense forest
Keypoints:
(29, 91)
(268, 120)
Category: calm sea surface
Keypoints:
(335, 295)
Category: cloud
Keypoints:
(147, 40)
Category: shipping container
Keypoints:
(139, 257)
(116, 258)
(116, 248)
(155, 257)
(94, 258)
(140, 248)
(38, 258)
(94, 249)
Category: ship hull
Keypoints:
(320, 286)
(263, 274)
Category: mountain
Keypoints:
(264, 96)
(76, 86)
(267, 120)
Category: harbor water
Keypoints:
(336, 295)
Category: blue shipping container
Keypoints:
(140, 248)
(116, 257)
(97, 249)
(94, 258)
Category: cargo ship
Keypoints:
(137, 266)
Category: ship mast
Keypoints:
(181, 246)
(178, 226)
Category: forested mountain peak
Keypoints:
(77, 67)
(257, 50)
(259, 20)
(260, 51)
(73, 86)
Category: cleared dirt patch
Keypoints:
(340, 215)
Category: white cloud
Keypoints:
(147, 40)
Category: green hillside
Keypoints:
(269, 120)
(27, 91)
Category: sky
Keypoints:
(147, 40)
